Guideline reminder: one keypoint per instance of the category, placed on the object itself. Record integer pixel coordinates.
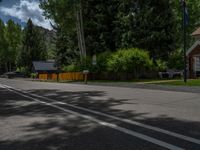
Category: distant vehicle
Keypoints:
(14, 74)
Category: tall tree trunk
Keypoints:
(10, 66)
(6, 67)
(79, 34)
(80, 31)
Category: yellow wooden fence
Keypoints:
(72, 76)
(43, 76)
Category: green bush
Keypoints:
(160, 65)
(33, 75)
(176, 60)
(131, 60)
(24, 70)
(71, 68)
(85, 64)
(100, 66)
(102, 60)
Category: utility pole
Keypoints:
(185, 21)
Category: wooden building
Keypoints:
(193, 56)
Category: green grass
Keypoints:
(128, 81)
(178, 82)
(181, 83)
(110, 81)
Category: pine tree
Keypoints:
(147, 24)
(3, 48)
(34, 48)
(13, 37)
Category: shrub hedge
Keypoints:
(132, 60)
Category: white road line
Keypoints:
(177, 135)
(113, 126)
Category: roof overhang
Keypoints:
(193, 47)
(196, 32)
(44, 66)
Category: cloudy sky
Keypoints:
(21, 10)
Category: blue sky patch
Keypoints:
(21, 10)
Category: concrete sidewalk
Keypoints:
(140, 85)
(147, 85)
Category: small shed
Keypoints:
(193, 56)
(44, 67)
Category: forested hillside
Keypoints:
(19, 47)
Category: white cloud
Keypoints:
(26, 9)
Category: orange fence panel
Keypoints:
(73, 76)
(54, 76)
(43, 76)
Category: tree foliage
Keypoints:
(114, 24)
(3, 47)
(33, 46)
(13, 36)
(10, 41)
(69, 26)
(148, 25)
(129, 60)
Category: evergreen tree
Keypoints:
(193, 24)
(68, 18)
(13, 37)
(66, 48)
(97, 22)
(3, 47)
(64, 16)
(33, 48)
(99, 17)
(147, 24)
(109, 25)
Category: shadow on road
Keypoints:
(28, 125)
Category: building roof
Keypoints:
(196, 32)
(193, 47)
(44, 66)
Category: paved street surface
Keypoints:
(51, 116)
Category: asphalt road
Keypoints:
(51, 116)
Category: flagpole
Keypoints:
(184, 43)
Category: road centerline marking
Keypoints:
(103, 123)
(157, 129)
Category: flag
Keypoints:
(185, 11)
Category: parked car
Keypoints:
(171, 74)
(14, 74)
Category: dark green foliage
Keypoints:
(148, 25)
(99, 17)
(62, 12)
(13, 44)
(109, 25)
(71, 68)
(101, 65)
(194, 21)
(10, 42)
(160, 65)
(154, 25)
(13, 37)
(33, 48)
(176, 60)
(126, 60)
(129, 60)
(66, 49)
(3, 47)
(102, 60)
